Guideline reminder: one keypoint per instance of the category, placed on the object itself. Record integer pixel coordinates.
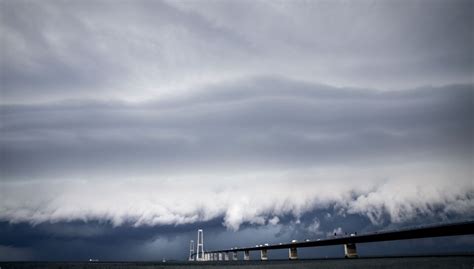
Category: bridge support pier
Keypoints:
(292, 253)
(263, 255)
(216, 256)
(220, 256)
(226, 256)
(234, 255)
(246, 255)
(350, 250)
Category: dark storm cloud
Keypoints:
(262, 122)
(265, 129)
(120, 117)
(72, 49)
(97, 49)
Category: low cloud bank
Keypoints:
(256, 200)
(246, 151)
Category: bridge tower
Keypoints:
(191, 250)
(200, 246)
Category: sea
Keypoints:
(464, 261)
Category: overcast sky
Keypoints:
(140, 121)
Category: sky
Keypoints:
(127, 125)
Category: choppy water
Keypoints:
(365, 263)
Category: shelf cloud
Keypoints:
(246, 151)
(124, 119)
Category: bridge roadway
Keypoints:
(451, 229)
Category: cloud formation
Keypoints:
(125, 125)
(137, 50)
(246, 151)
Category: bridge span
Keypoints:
(349, 241)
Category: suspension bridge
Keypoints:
(348, 241)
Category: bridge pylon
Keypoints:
(191, 250)
(200, 247)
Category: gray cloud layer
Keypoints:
(246, 151)
(136, 50)
(172, 113)
(263, 122)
